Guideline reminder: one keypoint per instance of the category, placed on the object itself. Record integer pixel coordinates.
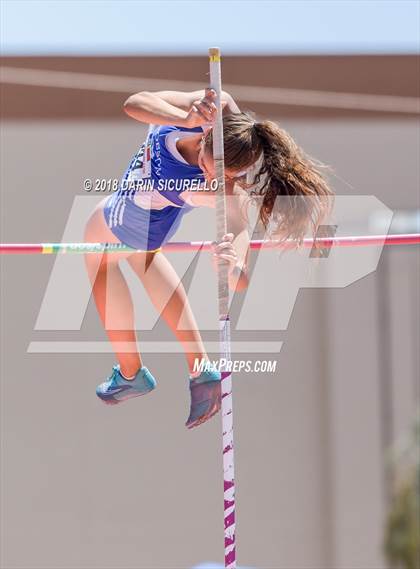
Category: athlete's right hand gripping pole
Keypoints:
(224, 323)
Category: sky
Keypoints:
(162, 27)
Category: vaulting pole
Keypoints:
(224, 322)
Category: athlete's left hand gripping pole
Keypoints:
(224, 322)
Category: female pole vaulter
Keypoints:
(178, 149)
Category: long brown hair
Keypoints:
(284, 171)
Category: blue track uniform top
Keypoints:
(147, 209)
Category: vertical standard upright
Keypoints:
(224, 322)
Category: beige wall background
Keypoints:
(87, 486)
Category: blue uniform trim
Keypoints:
(146, 228)
(142, 229)
(166, 167)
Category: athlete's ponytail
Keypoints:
(294, 178)
(295, 196)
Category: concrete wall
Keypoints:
(87, 486)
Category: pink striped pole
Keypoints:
(224, 321)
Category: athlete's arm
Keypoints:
(177, 108)
(184, 100)
(237, 203)
(237, 246)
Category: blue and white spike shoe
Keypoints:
(206, 397)
(118, 389)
